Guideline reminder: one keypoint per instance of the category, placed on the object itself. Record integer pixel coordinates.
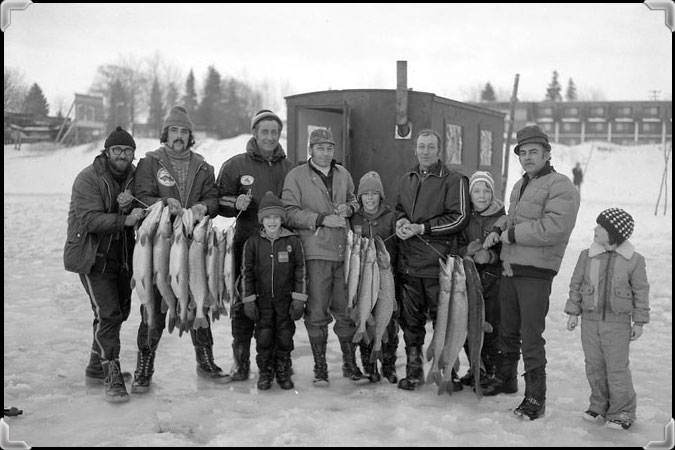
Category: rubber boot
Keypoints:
(533, 405)
(414, 369)
(242, 363)
(145, 367)
(115, 390)
(283, 370)
(369, 369)
(320, 366)
(506, 378)
(265, 372)
(349, 367)
(389, 360)
(207, 368)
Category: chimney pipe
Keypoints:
(402, 125)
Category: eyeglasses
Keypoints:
(128, 151)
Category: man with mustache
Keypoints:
(182, 179)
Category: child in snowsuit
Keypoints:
(374, 218)
(274, 291)
(609, 289)
(485, 210)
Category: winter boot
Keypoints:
(207, 368)
(506, 378)
(369, 369)
(349, 367)
(115, 390)
(265, 372)
(242, 363)
(534, 404)
(467, 379)
(456, 383)
(283, 370)
(320, 366)
(93, 375)
(389, 360)
(414, 369)
(145, 367)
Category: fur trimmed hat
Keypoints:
(618, 223)
(119, 137)
(265, 114)
(531, 134)
(370, 181)
(485, 177)
(178, 117)
(321, 136)
(269, 205)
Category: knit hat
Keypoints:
(531, 134)
(271, 204)
(265, 114)
(618, 223)
(119, 137)
(321, 136)
(370, 182)
(485, 177)
(178, 117)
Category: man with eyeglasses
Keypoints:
(99, 247)
(182, 179)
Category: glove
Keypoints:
(174, 206)
(199, 211)
(297, 309)
(473, 247)
(572, 322)
(135, 216)
(344, 210)
(334, 221)
(482, 256)
(635, 332)
(251, 311)
(124, 199)
(242, 202)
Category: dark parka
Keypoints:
(155, 180)
(480, 226)
(382, 224)
(439, 199)
(95, 227)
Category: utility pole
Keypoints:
(507, 144)
(654, 95)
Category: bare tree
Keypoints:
(15, 89)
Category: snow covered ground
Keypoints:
(47, 335)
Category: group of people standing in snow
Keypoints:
(291, 228)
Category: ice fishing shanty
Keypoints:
(374, 130)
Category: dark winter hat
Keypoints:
(321, 136)
(485, 177)
(265, 114)
(531, 134)
(178, 117)
(271, 204)
(618, 223)
(370, 182)
(119, 137)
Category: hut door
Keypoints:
(335, 118)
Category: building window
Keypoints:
(622, 127)
(545, 111)
(570, 127)
(651, 127)
(596, 127)
(485, 148)
(571, 112)
(624, 111)
(547, 127)
(597, 111)
(650, 111)
(453, 144)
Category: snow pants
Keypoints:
(274, 329)
(606, 346)
(419, 301)
(242, 326)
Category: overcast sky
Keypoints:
(618, 52)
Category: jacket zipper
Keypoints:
(606, 292)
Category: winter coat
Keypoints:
(382, 224)
(156, 180)
(440, 200)
(480, 226)
(305, 197)
(542, 214)
(274, 268)
(95, 227)
(250, 170)
(610, 286)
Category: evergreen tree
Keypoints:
(571, 93)
(172, 95)
(487, 94)
(553, 89)
(35, 102)
(156, 115)
(190, 98)
(118, 112)
(210, 113)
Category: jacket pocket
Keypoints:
(622, 300)
(587, 297)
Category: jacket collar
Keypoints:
(493, 209)
(284, 233)
(437, 169)
(162, 155)
(626, 250)
(255, 153)
(548, 168)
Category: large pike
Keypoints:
(386, 299)
(435, 349)
(348, 254)
(354, 275)
(368, 291)
(228, 267)
(212, 273)
(178, 273)
(477, 325)
(141, 280)
(199, 287)
(160, 255)
(457, 326)
(221, 241)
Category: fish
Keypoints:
(212, 273)
(142, 277)
(367, 294)
(435, 349)
(179, 273)
(455, 336)
(228, 266)
(219, 307)
(476, 320)
(386, 300)
(354, 275)
(348, 255)
(160, 261)
(199, 287)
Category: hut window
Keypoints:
(485, 148)
(453, 144)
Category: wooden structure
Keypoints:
(86, 125)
